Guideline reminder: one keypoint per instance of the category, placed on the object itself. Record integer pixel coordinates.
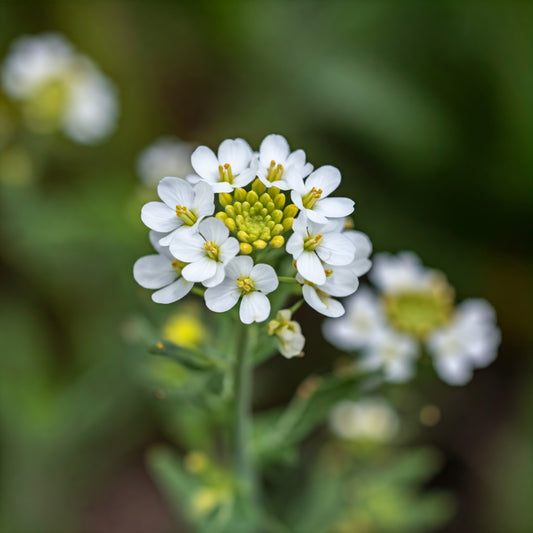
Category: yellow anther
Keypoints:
(246, 285)
(225, 199)
(275, 172)
(245, 248)
(243, 236)
(212, 250)
(311, 243)
(348, 223)
(328, 272)
(188, 217)
(178, 265)
(310, 199)
(277, 242)
(225, 173)
(260, 244)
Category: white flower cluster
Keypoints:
(59, 88)
(414, 311)
(225, 228)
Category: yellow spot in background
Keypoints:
(184, 329)
(430, 415)
(16, 166)
(196, 462)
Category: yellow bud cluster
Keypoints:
(257, 217)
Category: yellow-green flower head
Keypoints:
(257, 217)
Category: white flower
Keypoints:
(161, 271)
(367, 419)
(362, 322)
(400, 272)
(470, 341)
(246, 280)
(312, 245)
(229, 169)
(183, 206)
(278, 166)
(311, 196)
(166, 156)
(60, 88)
(289, 333)
(393, 352)
(207, 251)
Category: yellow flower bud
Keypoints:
(225, 199)
(260, 244)
(246, 248)
(239, 194)
(252, 197)
(277, 242)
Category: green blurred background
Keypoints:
(426, 108)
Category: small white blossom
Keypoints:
(392, 352)
(161, 271)
(470, 341)
(278, 166)
(370, 419)
(60, 88)
(289, 333)
(311, 196)
(228, 169)
(207, 251)
(245, 280)
(312, 245)
(166, 156)
(183, 206)
(360, 325)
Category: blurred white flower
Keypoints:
(289, 333)
(246, 280)
(470, 341)
(161, 271)
(369, 419)
(166, 156)
(59, 88)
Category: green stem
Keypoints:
(287, 279)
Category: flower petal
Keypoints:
(336, 249)
(205, 163)
(218, 278)
(334, 207)
(204, 199)
(310, 267)
(174, 292)
(159, 217)
(255, 307)
(200, 270)
(222, 297)
(175, 191)
(236, 152)
(153, 271)
(240, 267)
(274, 148)
(264, 278)
(187, 246)
(214, 230)
(322, 303)
(229, 249)
(326, 178)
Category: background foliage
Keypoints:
(427, 111)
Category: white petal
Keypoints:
(454, 371)
(310, 267)
(236, 152)
(363, 245)
(295, 245)
(336, 249)
(222, 297)
(218, 278)
(158, 216)
(204, 200)
(240, 267)
(153, 271)
(314, 216)
(214, 230)
(273, 148)
(326, 178)
(205, 163)
(255, 307)
(221, 186)
(361, 266)
(264, 278)
(229, 249)
(322, 303)
(175, 191)
(399, 370)
(200, 270)
(334, 207)
(187, 246)
(174, 292)
(155, 238)
(342, 282)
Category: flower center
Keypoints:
(188, 217)
(246, 285)
(275, 172)
(310, 199)
(257, 217)
(312, 242)
(212, 250)
(178, 265)
(225, 172)
(419, 313)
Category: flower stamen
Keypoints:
(246, 285)
(310, 199)
(212, 250)
(311, 243)
(275, 172)
(226, 174)
(188, 217)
